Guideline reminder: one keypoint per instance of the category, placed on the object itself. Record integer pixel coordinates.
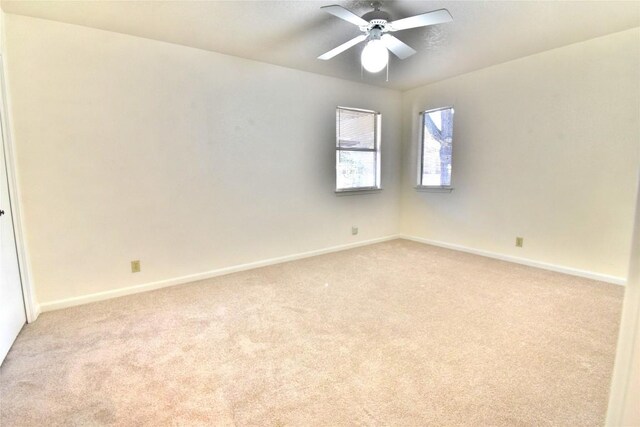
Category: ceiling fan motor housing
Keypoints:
(375, 26)
(377, 20)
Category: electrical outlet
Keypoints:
(519, 241)
(354, 230)
(135, 266)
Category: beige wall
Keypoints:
(192, 161)
(188, 160)
(545, 147)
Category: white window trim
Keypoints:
(434, 189)
(419, 186)
(377, 149)
(359, 190)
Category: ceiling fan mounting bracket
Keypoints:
(376, 15)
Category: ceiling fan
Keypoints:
(376, 26)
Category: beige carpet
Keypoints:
(397, 333)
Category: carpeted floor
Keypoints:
(397, 333)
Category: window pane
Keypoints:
(437, 148)
(356, 129)
(356, 169)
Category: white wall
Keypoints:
(545, 147)
(188, 160)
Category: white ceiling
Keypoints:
(294, 33)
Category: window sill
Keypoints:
(354, 191)
(425, 189)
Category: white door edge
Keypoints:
(32, 308)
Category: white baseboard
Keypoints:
(99, 296)
(129, 290)
(524, 261)
(36, 312)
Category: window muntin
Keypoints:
(436, 148)
(357, 149)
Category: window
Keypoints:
(436, 148)
(357, 149)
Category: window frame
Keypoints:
(377, 140)
(432, 188)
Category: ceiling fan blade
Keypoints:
(397, 47)
(430, 18)
(342, 47)
(345, 14)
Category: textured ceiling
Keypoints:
(294, 33)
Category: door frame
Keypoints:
(623, 407)
(32, 308)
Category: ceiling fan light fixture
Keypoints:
(375, 56)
